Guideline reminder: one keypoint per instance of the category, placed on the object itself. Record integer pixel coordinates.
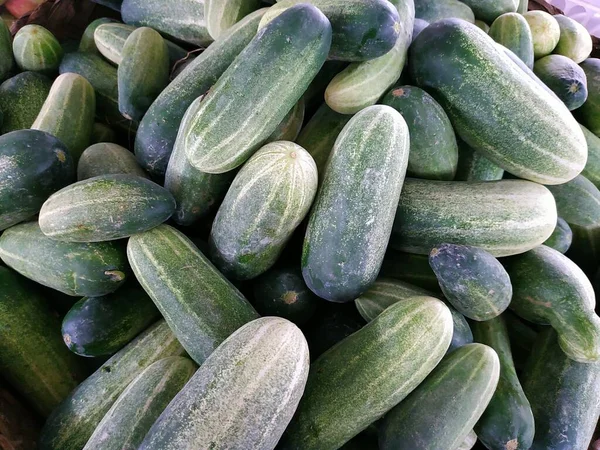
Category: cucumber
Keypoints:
(184, 20)
(589, 113)
(433, 149)
(523, 6)
(289, 128)
(549, 289)
(592, 168)
(200, 305)
(503, 217)
(362, 29)
(243, 396)
(102, 133)
(98, 326)
(458, 390)
(33, 358)
(563, 395)
(419, 26)
(131, 416)
(362, 84)
(36, 49)
(33, 165)
(256, 92)
(87, 43)
(575, 41)
(413, 269)
(472, 280)
(267, 200)
(315, 93)
(345, 240)
(565, 78)
(522, 338)
(221, 15)
(545, 31)
(433, 10)
(6, 53)
(495, 114)
(561, 237)
(72, 423)
(105, 208)
(21, 99)
(73, 268)
(507, 423)
(512, 31)
(158, 129)
(107, 159)
(490, 10)
(345, 394)
(486, 28)
(68, 113)
(473, 166)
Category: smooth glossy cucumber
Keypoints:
(36, 49)
(87, 43)
(592, 168)
(107, 159)
(21, 99)
(575, 41)
(561, 237)
(512, 31)
(566, 79)
(589, 113)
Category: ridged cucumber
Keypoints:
(36, 49)
(107, 159)
(566, 79)
(433, 10)
(21, 99)
(221, 15)
(545, 31)
(589, 112)
(490, 10)
(561, 237)
(592, 168)
(419, 26)
(512, 31)
(523, 6)
(575, 41)
(6, 52)
(473, 166)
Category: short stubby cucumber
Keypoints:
(575, 41)
(107, 158)
(512, 31)
(21, 99)
(562, 236)
(36, 49)
(545, 31)
(566, 79)
(221, 15)
(473, 166)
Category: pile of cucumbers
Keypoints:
(302, 225)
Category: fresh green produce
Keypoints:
(345, 394)
(473, 166)
(36, 49)
(545, 31)
(221, 15)
(458, 391)
(592, 168)
(413, 269)
(486, 28)
(490, 10)
(564, 77)
(6, 52)
(561, 237)
(590, 110)
(469, 442)
(419, 25)
(289, 128)
(575, 42)
(21, 99)
(314, 94)
(433, 10)
(243, 396)
(504, 114)
(87, 43)
(107, 159)
(131, 416)
(512, 31)
(345, 241)
(523, 6)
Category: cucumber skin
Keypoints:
(501, 127)
(589, 113)
(433, 10)
(35, 48)
(565, 78)
(473, 166)
(105, 158)
(575, 41)
(545, 31)
(341, 232)
(21, 99)
(6, 51)
(592, 167)
(411, 268)
(87, 43)
(561, 237)
(490, 10)
(72, 423)
(221, 15)
(32, 356)
(512, 31)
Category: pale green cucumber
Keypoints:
(6, 52)
(289, 128)
(575, 41)
(592, 168)
(484, 26)
(473, 166)
(469, 442)
(87, 43)
(545, 31)
(411, 268)
(21, 99)
(433, 10)
(36, 49)
(512, 31)
(107, 159)
(221, 15)
(561, 238)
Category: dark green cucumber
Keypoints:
(490, 10)
(158, 129)
(507, 423)
(72, 423)
(36, 49)
(563, 395)
(256, 219)
(512, 31)
(131, 416)
(98, 326)
(33, 358)
(105, 208)
(6, 52)
(345, 394)
(419, 26)
(433, 149)
(549, 289)
(592, 168)
(575, 41)
(221, 15)
(74, 268)
(561, 237)
(34, 165)
(473, 166)
(589, 112)
(433, 10)
(200, 305)
(522, 337)
(102, 133)
(87, 44)
(411, 268)
(504, 114)
(545, 32)
(345, 241)
(289, 128)
(21, 99)
(107, 159)
(472, 280)
(566, 79)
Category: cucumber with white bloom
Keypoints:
(223, 14)
(575, 41)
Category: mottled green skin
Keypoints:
(68, 113)
(127, 422)
(472, 280)
(512, 31)
(561, 237)
(87, 44)
(433, 10)
(105, 208)
(433, 149)
(158, 129)
(289, 128)
(221, 15)
(545, 31)
(200, 305)
(564, 77)
(36, 49)
(6, 52)
(74, 268)
(102, 133)
(458, 390)
(107, 159)
(257, 90)
(563, 395)
(522, 338)
(33, 165)
(358, 380)
(575, 41)
(503, 217)
(21, 99)
(183, 20)
(578, 202)
(320, 133)
(72, 423)
(592, 168)
(484, 26)
(283, 293)
(473, 166)
(98, 326)
(504, 114)
(266, 202)
(507, 423)
(362, 29)
(549, 289)
(33, 358)
(411, 268)
(313, 97)
(242, 397)
(589, 113)
(351, 221)
(490, 10)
